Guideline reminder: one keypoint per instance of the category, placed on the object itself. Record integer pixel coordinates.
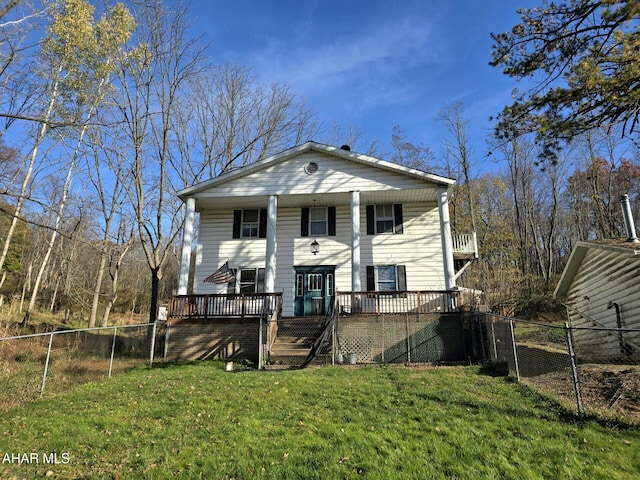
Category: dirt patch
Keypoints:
(615, 388)
(610, 390)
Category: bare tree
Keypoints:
(150, 85)
(105, 171)
(87, 49)
(458, 151)
(236, 121)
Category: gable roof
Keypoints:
(620, 246)
(312, 146)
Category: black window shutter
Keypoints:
(260, 285)
(332, 221)
(401, 272)
(237, 220)
(304, 222)
(262, 228)
(371, 219)
(371, 279)
(397, 218)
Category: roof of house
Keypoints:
(320, 148)
(616, 245)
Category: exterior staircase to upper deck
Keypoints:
(294, 340)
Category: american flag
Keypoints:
(221, 275)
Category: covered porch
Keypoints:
(253, 306)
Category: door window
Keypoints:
(315, 282)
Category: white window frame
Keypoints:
(314, 282)
(299, 284)
(318, 222)
(380, 216)
(376, 271)
(240, 283)
(250, 228)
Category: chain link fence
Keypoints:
(406, 338)
(51, 362)
(586, 369)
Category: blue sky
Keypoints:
(372, 64)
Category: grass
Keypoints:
(198, 421)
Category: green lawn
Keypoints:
(198, 421)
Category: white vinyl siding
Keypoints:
(333, 175)
(604, 276)
(419, 248)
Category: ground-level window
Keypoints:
(386, 278)
(247, 280)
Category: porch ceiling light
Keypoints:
(315, 247)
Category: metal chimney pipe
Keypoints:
(628, 219)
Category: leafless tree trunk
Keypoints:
(458, 148)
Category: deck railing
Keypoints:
(440, 301)
(465, 243)
(212, 307)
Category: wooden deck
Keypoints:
(233, 308)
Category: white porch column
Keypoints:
(187, 245)
(270, 259)
(355, 241)
(447, 243)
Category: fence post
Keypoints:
(333, 341)
(408, 338)
(493, 341)
(166, 341)
(260, 341)
(515, 351)
(574, 369)
(113, 349)
(153, 343)
(46, 365)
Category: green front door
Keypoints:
(314, 290)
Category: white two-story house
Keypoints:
(314, 221)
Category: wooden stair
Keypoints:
(295, 339)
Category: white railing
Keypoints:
(465, 243)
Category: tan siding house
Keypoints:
(375, 226)
(600, 287)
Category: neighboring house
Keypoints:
(600, 287)
(314, 220)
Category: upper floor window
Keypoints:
(384, 218)
(250, 223)
(318, 221)
(250, 219)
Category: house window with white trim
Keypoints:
(386, 278)
(247, 280)
(318, 221)
(250, 223)
(384, 218)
